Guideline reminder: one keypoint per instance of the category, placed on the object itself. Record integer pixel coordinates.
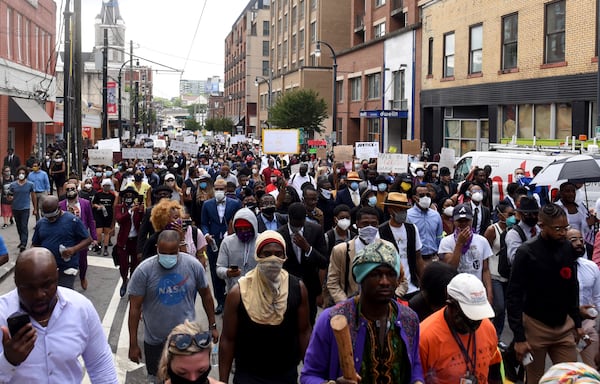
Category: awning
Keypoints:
(26, 111)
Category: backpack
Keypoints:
(503, 263)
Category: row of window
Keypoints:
(27, 43)
(554, 42)
(374, 87)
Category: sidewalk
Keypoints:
(11, 239)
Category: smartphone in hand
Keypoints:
(16, 321)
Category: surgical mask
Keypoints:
(176, 379)
(326, 194)
(372, 201)
(51, 215)
(108, 173)
(245, 236)
(167, 261)
(128, 200)
(254, 171)
(270, 267)
(268, 210)
(87, 186)
(400, 216)
(420, 173)
(354, 185)
(368, 233)
(220, 195)
(343, 224)
(203, 185)
(519, 176)
(58, 160)
(510, 221)
(477, 197)
(21, 176)
(98, 174)
(382, 187)
(425, 202)
(449, 211)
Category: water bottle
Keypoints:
(592, 312)
(213, 245)
(214, 357)
(104, 211)
(61, 250)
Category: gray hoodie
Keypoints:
(234, 252)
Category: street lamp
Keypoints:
(268, 81)
(120, 113)
(334, 66)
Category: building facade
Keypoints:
(497, 70)
(28, 87)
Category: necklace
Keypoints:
(44, 322)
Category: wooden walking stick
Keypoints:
(339, 324)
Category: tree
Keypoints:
(219, 124)
(192, 125)
(299, 108)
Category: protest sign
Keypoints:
(367, 150)
(392, 162)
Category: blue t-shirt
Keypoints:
(67, 230)
(3, 249)
(21, 195)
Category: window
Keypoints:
(379, 3)
(475, 48)
(399, 96)
(301, 63)
(19, 37)
(463, 135)
(294, 15)
(313, 31)
(27, 27)
(265, 28)
(301, 39)
(355, 91)
(253, 29)
(449, 54)
(313, 4)
(510, 26)
(544, 121)
(37, 51)
(8, 32)
(285, 22)
(265, 68)
(280, 26)
(294, 42)
(373, 82)
(373, 127)
(430, 57)
(555, 32)
(265, 48)
(313, 60)
(379, 30)
(301, 10)
(339, 91)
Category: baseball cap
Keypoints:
(462, 211)
(106, 182)
(470, 293)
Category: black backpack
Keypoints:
(503, 263)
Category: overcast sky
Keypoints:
(163, 30)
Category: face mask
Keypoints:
(128, 200)
(530, 221)
(21, 176)
(167, 261)
(273, 180)
(58, 160)
(405, 186)
(203, 185)
(420, 173)
(425, 202)
(325, 193)
(400, 216)
(368, 233)
(245, 236)
(268, 211)
(354, 185)
(519, 177)
(477, 197)
(138, 177)
(98, 174)
(449, 211)
(510, 221)
(372, 201)
(71, 194)
(254, 171)
(382, 187)
(108, 173)
(176, 379)
(220, 195)
(35, 169)
(343, 224)
(87, 186)
(270, 267)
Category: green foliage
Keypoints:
(192, 125)
(196, 108)
(219, 124)
(299, 108)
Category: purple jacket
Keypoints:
(86, 215)
(321, 362)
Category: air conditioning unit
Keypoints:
(401, 105)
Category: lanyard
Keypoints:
(470, 363)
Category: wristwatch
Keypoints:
(212, 326)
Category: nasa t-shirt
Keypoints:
(472, 260)
(169, 294)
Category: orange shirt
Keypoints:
(442, 359)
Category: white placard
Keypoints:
(295, 168)
(180, 146)
(112, 144)
(392, 162)
(137, 153)
(189, 139)
(366, 150)
(281, 141)
(100, 157)
(447, 158)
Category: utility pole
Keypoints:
(77, 74)
(131, 121)
(105, 86)
(67, 78)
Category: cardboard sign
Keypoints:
(343, 152)
(180, 146)
(367, 150)
(411, 147)
(137, 153)
(392, 162)
(113, 144)
(281, 140)
(100, 156)
(447, 158)
(321, 153)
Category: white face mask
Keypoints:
(425, 202)
(220, 195)
(449, 211)
(343, 224)
(254, 171)
(477, 197)
(21, 176)
(368, 233)
(420, 173)
(270, 267)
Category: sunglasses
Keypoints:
(70, 189)
(182, 341)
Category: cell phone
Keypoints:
(234, 267)
(527, 359)
(16, 321)
(186, 224)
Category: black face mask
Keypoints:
(176, 379)
(268, 211)
(138, 177)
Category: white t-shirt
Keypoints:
(401, 238)
(471, 261)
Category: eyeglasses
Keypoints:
(70, 189)
(182, 341)
(560, 229)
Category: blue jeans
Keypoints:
(22, 220)
(499, 305)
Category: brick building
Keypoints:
(495, 69)
(28, 87)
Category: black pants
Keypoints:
(22, 219)
(152, 355)
(217, 283)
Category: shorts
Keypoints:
(6, 210)
(103, 222)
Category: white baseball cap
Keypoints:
(106, 182)
(470, 293)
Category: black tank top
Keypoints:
(269, 351)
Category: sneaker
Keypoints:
(105, 251)
(123, 289)
(4, 226)
(84, 284)
(502, 346)
(12, 221)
